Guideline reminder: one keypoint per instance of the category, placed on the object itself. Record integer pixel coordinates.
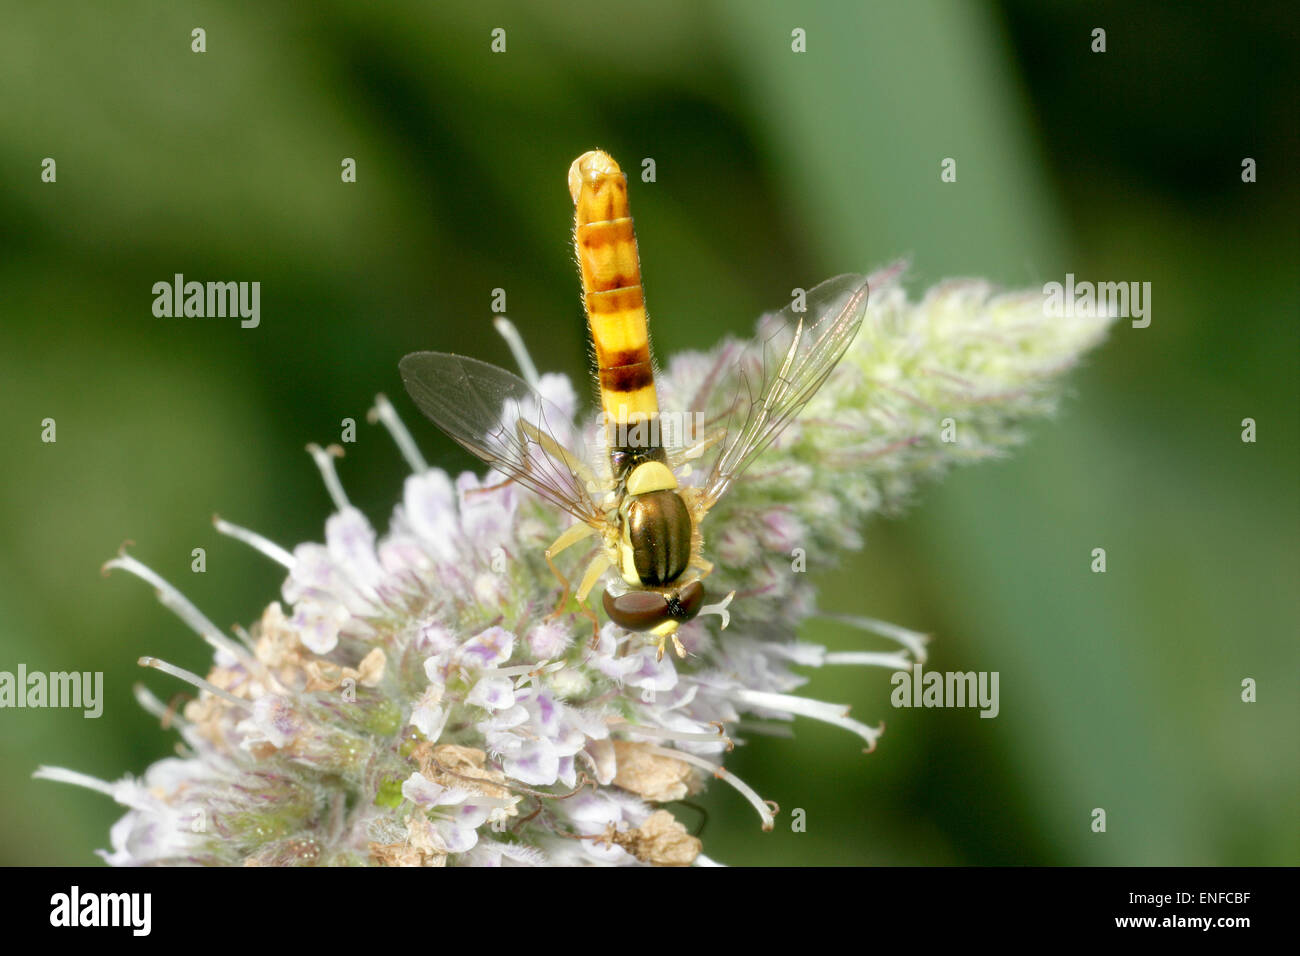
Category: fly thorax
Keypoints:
(656, 541)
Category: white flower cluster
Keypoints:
(424, 703)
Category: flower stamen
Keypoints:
(324, 458)
(384, 413)
(836, 714)
(191, 678)
(506, 329)
(664, 733)
(152, 704)
(254, 541)
(77, 779)
(894, 661)
(766, 813)
(914, 641)
(720, 609)
(172, 599)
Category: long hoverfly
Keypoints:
(635, 487)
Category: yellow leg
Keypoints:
(571, 536)
(677, 646)
(664, 631)
(595, 626)
(598, 566)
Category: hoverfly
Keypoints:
(630, 493)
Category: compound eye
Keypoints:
(637, 610)
(687, 602)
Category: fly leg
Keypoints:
(571, 536)
(677, 645)
(598, 566)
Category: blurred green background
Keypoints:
(774, 169)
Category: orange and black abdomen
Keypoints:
(611, 287)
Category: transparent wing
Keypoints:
(781, 371)
(504, 421)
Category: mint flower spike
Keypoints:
(411, 700)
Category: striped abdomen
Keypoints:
(611, 289)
